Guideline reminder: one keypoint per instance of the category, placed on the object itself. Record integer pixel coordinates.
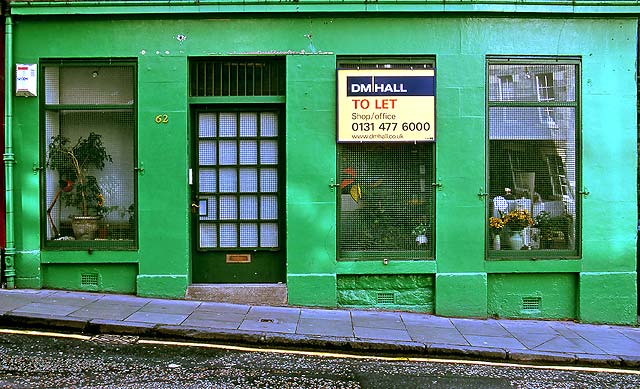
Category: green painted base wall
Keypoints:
(463, 294)
(551, 295)
(117, 278)
(404, 292)
(168, 286)
(608, 298)
(312, 289)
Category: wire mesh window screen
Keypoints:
(89, 185)
(386, 201)
(237, 77)
(238, 180)
(533, 170)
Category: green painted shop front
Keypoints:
(294, 235)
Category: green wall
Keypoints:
(465, 283)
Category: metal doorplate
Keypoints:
(238, 258)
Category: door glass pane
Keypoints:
(228, 125)
(207, 125)
(228, 180)
(269, 152)
(268, 207)
(228, 208)
(207, 152)
(248, 124)
(248, 152)
(268, 235)
(248, 235)
(208, 235)
(268, 124)
(268, 180)
(248, 207)
(228, 235)
(207, 182)
(248, 180)
(228, 152)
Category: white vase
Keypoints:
(515, 240)
(496, 242)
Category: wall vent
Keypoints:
(531, 303)
(89, 279)
(386, 298)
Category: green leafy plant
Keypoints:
(550, 226)
(74, 162)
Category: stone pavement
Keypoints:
(343, 330)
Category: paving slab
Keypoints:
(426, 320)
(156, 318)
(47, 308)
(277, 314)
(269, 325)
(107, 313)
(479, 327)
(223, 308)
(170, 306)
(325, 327)
(381, 333)
(386, 320)
(568, 345)
(424, 334)
(322, 314)
(504, 342)
(211, 323)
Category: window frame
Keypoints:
(545, 107)
(387, 62)
(80, 245)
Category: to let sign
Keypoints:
(386, 105)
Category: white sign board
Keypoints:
(386, 105)
(26, 79)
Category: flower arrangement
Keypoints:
(515, 220)
(518, 219)
(496, 224)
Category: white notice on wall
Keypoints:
(26, 79)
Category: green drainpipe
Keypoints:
(9, 158)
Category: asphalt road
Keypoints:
(108, 361)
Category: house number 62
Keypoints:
(162, 119)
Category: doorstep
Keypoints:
(250, 294)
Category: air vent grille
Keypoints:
(386, 298)
(531, 303)
(89, 279)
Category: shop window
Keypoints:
(533, 170)
(386, 201)
(89, 133)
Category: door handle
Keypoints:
(194, 207)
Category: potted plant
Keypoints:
(554, 230)
(420, 233)
(78, 187)
(516, 221)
